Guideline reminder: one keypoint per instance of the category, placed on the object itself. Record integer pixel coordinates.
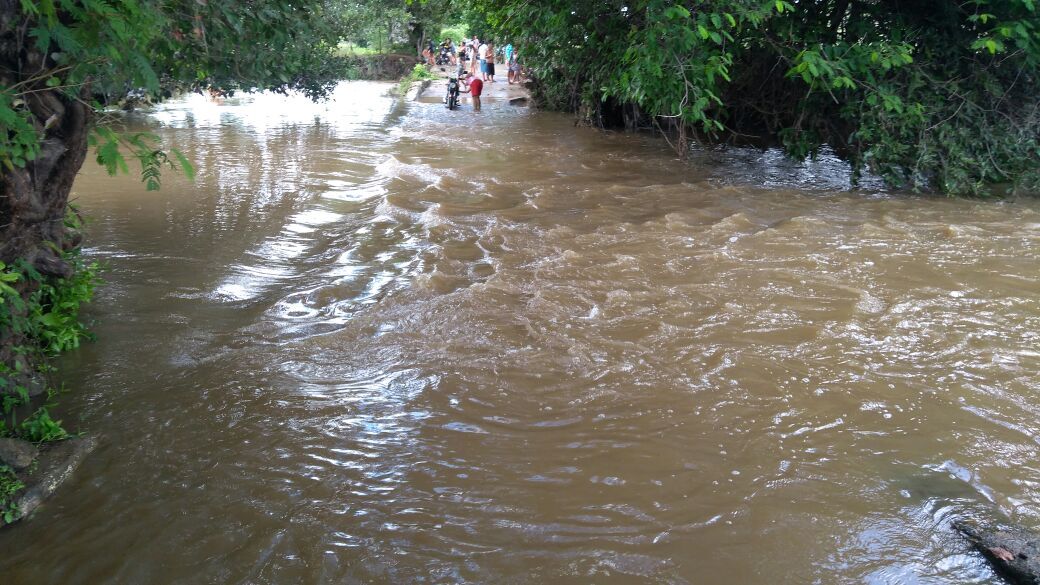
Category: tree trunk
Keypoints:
(417, 35)
(34, 198)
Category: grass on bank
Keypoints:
(419, 73)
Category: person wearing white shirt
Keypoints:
(482, 52)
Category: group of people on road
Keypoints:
(439, 55)
(475, 54)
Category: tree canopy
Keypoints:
(391, 24)
(930, 95)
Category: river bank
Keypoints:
(378, 66)
(36, 472)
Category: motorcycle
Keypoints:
(444, 57)
(452, 98)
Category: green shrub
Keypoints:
(419, 73)
(44, 313)
(56, 311)
(9, 487)
(456, 32)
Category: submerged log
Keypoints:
(1013, 552)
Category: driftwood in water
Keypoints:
(55, 464)
(1013, 552)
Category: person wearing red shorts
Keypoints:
(476, 87)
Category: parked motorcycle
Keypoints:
(452, 98)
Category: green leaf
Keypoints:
(186, 167)
(43, 37)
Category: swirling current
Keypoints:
(379, 342)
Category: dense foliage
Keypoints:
(396, 25)
(381, 25)
(932, 95)
(42, 314)
(10, 485)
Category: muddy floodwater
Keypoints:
(379, 342)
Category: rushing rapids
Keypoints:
(388, 343)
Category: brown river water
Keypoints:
(378, 342)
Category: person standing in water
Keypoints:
(476, 87)
(460, 67)
(482, 55)
(490, 62)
